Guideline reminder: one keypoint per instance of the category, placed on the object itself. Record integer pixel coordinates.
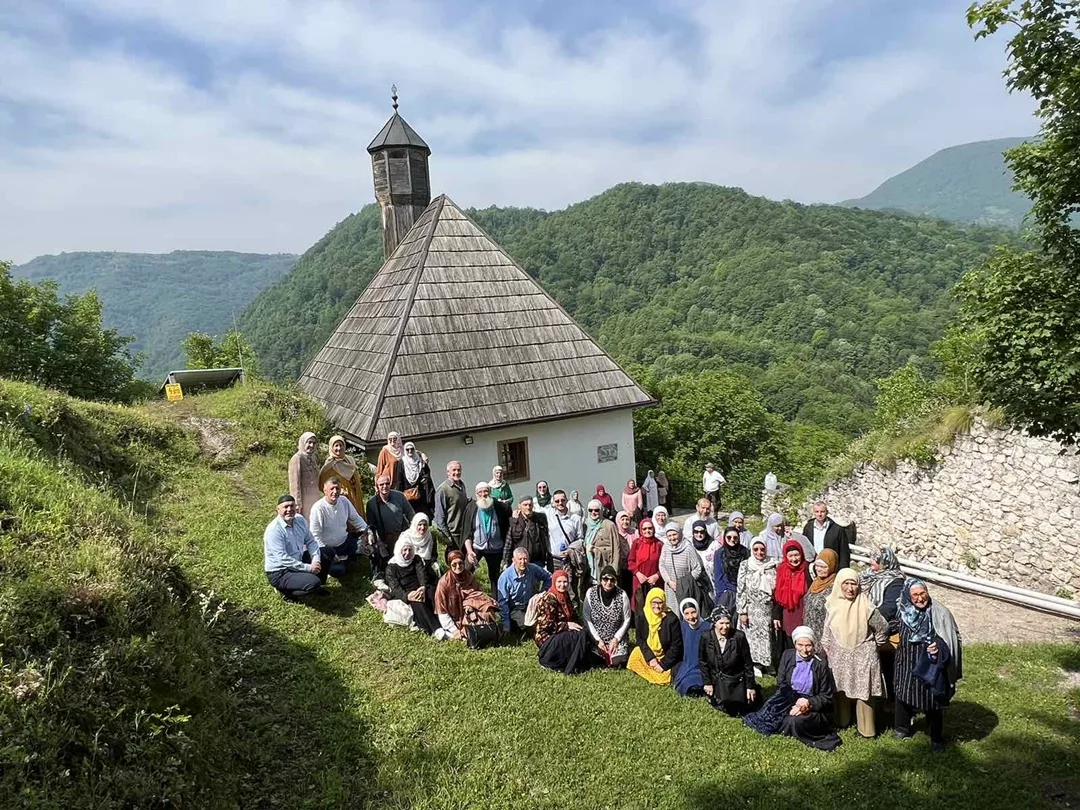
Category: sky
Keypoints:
(154, 125)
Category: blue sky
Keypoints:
(153, 125)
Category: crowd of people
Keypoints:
(712, 608)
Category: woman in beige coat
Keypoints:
(304, 474)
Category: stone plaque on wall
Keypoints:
(607, 452)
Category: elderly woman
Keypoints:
(644, 562)
(689, 680)
(929, 662)
(407, 577)
(737, 521)
(853, 632)
(626, 534)
(602, 544)
(632, 501)
(659, 637)
(802, 703)
(575, 505)
(607, 617)
(389, 455)
(728, 667)
(304, 474)
(680, 565)
(563, 645)
(605, 501)
(458, 589)
(341, 466)
(411, 477)
(792, 584)
(754, 602)
(500, 487)
(727, 561)
(824, 571)
(650, 491)
(777, 533)
(660, 517)
(419, 534)
(883, 584)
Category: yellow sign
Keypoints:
(173, 392)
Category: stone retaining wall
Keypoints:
(998, 503)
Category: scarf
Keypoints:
(592, 527)
(303, 440)
(627, 535)
(487, 519)
(542, 500)
(823, 584)
(448, 593)
(344, 467)
(790, 582)
(607, 597)
(424, 544)
(760, 574)
(563, 599)
(703, 543)
(875, 583)
(920, 623)
(395, 452)
(399, 546)
(732, 559)
(654, 621)
(802, 679)
(659, 516)
(773, 539)
(605, 499)
(413, 465)
(630, 489)
(848, 619)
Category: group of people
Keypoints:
(579, 578)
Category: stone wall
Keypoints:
(997, 503)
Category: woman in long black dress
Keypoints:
(929, 662)
(727, 666)
(801, 707)
(564, 645)
(407, 578)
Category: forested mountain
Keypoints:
(160, 298)
(969, 183)
(811, 303)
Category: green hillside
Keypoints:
(969, 183)
(811, 302)
(159, 298)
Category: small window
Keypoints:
(514, 458)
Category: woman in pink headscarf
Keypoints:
(606, 503)
(632, 502)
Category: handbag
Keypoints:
(478, 631)
(533, 608)
(412, 494)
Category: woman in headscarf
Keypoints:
(650, 492)
(702, 542)
(644, 563)
(339, 465)
(728, 667)
(632, 501)
(412, 478)
(419, 534)
(680, 565)
(663, 488)
(660, 519)
(542, 498)
(607, 616)
(754, 601)
(500, 487)
(659, 635)
(389, 455)
(304, 474)
(777, 533)
(407, 577)
(602, 545)
(575, 505)
(689, 679)
(563, 645)
(737, 520)
(626, 540)
(929, 662)
(802, 703)
(883, 584)
(824, 571)
(792, 584)
(727, 562)
(605, 501)
(456, 586)
(853, 632)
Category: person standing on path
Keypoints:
(711, 482)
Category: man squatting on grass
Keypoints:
(291, 557)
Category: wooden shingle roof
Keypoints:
(452, 336)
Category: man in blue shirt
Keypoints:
(291, 556)
(517, 584)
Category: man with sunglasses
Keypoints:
(564, 529)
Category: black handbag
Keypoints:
(479, 634)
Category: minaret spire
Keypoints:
(393, 95)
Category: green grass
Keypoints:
(327, 707)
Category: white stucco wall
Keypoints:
(563, 453)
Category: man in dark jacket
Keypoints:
(825, 533)
(485, 524)
(528, 530)
(389, 514)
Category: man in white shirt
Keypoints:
(711, 482)
(564, 528)
(335, 523)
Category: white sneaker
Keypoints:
(381, 584)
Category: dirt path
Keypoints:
(982, 619)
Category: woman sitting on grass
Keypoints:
(727, 667)
(407, 578)
(607, 615)
(689, 680)
(563, 645)
(659, 635)
(456, 588)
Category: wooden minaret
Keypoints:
(399, 159)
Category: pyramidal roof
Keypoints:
(397, 132)
(452, 336)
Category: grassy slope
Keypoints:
(453, 728)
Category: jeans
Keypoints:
(299, 583)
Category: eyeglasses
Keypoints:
(699, 531)
(607, 579)
(594, 511)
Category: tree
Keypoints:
(60, 343)
(232, 352)
(1023, 309)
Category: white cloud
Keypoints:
(268, 152)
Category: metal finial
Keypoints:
(393, 95)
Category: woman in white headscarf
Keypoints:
(412, 478)
(409, 580)
(500, 487)
(304, 474)
(777, 533)
(754, 602)
(419, 534)
(651, 492)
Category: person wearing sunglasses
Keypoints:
(607, 617)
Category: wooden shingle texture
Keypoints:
(451, 336)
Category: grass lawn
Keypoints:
(345, 711)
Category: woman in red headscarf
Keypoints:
(792, 583)
(606, 502)
(644, 562)
(564, 646)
